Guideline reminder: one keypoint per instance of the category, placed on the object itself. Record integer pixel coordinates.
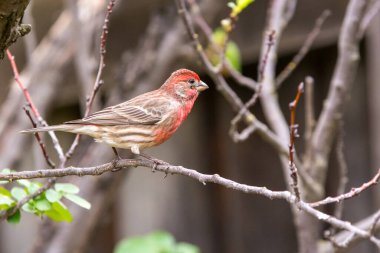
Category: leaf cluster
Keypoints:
(155, 242)
(49, 203)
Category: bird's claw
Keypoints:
(154, 167)
(115, 162)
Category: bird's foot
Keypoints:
(155, 161)
(115, 161)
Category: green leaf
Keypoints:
(29, 208)
(5, 192)
(4, 171)
(59, 213)
(187, 248)
(161, 238)
(78, 200)
(15, 218)
(240, 6)
(66, 188)
(7, 201)
(135, 245)
(43, 205)
(52, 195)
(156, 242)
(18, 193)
(34, 186)
(233, 55)
(219, 36)
(24, 182)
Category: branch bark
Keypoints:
(202, 178)
(11, 28)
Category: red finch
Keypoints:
(144, 121)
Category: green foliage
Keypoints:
(15, 218)
(48, 203)
(238, 6)
(156, 242)
(232, 50)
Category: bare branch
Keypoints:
(375, 221)
(352, 193)
(328, 123)
(35, 111)
(202, 178)
(293, 64)
(371, 13)
(224, 88)
(267, 45)
(39, 140)
(293, 134)
(343, 170)
(347, 239)
(98, 81)
(236, 136)
(206, 29)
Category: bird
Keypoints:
(142, 122)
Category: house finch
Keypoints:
(144, 121)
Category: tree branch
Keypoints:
(34, 109)
(293, 134)
(344, 73)
(202, 178)
(352, 193)
(98, 81)
(293, 64)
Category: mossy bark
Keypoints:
(11, 27)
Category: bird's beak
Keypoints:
(201, 86)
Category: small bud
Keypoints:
(226, 24)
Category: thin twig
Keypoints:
(263, 63)
(236, 136)
(98, 82)
(352, 193)
(249, 119)
(293, 134)
(344, 73)
(368, 17)
(39, 140)
(35, 111)
(207, 31)
(376, 219)
(347, 239)
(342, 182)
(292, 65)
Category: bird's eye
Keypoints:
(192, 83)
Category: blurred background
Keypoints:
(147, 42)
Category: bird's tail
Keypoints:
(62, 128)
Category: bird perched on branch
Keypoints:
(144, 121)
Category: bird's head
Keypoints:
(184, 84)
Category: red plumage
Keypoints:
(144, 121)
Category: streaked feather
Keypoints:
(137, 111)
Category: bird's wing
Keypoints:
(140, 110)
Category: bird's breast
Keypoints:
(171, 123)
